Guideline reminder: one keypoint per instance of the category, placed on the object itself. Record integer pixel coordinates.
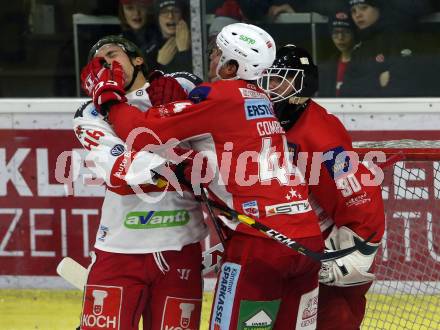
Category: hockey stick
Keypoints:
(212, 216)
(289, 242)
(359, 245)
(75, 274)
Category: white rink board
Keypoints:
(56, 282)
(356, 114)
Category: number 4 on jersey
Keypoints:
(275, 165)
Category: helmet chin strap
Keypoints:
(136, 69)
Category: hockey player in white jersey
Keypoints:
(148, 255)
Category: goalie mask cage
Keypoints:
(406, 294)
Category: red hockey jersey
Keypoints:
(345, 199)
(233, 124)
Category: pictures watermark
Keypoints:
(162, 167)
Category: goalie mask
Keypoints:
(128, 47)
(293, 74)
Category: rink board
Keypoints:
(51, 202)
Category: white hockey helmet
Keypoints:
(252, 47)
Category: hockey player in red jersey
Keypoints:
(347, 208)
(148, 256)
(231, 122)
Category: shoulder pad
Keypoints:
(196, 80)
(80, 111)
(199, 94)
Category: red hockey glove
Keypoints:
(91, 73)
(164, 89)
(106, 84)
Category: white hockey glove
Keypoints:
(350, 270)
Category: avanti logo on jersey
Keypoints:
(288, 208)
(117, 150)
(257, 109)
(337, 162)
(251, 209)
(156, 219)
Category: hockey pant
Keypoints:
(265, 285)
(341, 308)
(165, 288)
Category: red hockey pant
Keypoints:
(341, 308)
(266, 285)
(165, 289)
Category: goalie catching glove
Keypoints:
(104, 83)
(350, 270)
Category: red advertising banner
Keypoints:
(46, 214)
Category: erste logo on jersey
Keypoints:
(258, 108)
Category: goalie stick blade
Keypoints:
(72, 272)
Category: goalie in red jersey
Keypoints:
(231, 123)
(348, 208)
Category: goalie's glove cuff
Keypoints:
(350, 270)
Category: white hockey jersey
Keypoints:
(137, 217)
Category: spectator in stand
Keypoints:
(228, 13)
(166, 42)
(175, 44)
(332, 72)
(259, 9)
(137, 21)
(383, 63)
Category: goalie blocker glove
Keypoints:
(350, 270)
